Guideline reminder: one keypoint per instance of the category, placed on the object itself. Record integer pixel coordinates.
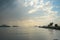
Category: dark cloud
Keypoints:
(6, 4)
(10, 10)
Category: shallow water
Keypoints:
(28, 33)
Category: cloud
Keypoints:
(32, 11)
(45, 7)
(48, 14)
(25, 14)
(34, 4)
(10, 10)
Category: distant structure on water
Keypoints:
(8, 26)
(4, 26)
(14, 26)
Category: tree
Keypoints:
(51, 24)
(56, 25)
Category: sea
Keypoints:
(28, 33)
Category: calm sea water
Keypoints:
(28, 33)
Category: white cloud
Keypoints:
(42, 6)
(36, 5)
(32, 11)
(46, 8)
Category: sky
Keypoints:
(29, 12)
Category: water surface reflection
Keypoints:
(28, 33)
